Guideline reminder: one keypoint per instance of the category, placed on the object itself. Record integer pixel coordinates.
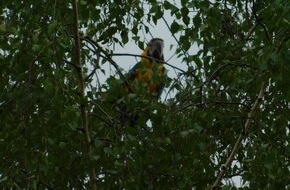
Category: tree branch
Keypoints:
(167, 25)
(72, 64)
(242, 135)
(81, 86)
(107, 55)
(251, 30)
(259, 22)
(94, 70)
(148, 57)
(110, 123)
(211, 102)
(227, 65)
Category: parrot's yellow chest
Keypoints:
(145, 74)
(149, 74)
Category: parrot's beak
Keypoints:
(158, 52)
(156, 45)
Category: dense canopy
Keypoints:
(223, 122)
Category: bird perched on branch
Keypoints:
(149, 74)
(146, 80)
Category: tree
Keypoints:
(229, 116)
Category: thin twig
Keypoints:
(167, 25)
(70, 63)
(259, 22)
(107, 55)
(92, 72)
(98, 116)
(226, 65)
(103, 111)
(242, 135)
(95, 68)
(81, 86)
(251, 31)
(211, 102)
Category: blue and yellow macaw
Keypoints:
(149, 73)
(147, 77)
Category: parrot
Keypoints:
(150, 72)
(147, 78)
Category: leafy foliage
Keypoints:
(241, 45)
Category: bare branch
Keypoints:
(110, 123)
(107, 55)
(251, 31)
(81, 86)
(167, 25)
(242, 135)
(71, 63)
(94, 70)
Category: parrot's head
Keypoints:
(155, 49)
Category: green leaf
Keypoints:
(96, 157)
(197, 21)
(131, 137)
(108, 150)
(184, 3)
(141, 45)
(174, 27)
(2, 28)
(98, 143)
(124, 36)
(168, 6)
(3, 179)
(287, 22)
(167, 141)
(263, 66)
(62, 145)
(274, 57)
(184, 13)
(268, 163)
